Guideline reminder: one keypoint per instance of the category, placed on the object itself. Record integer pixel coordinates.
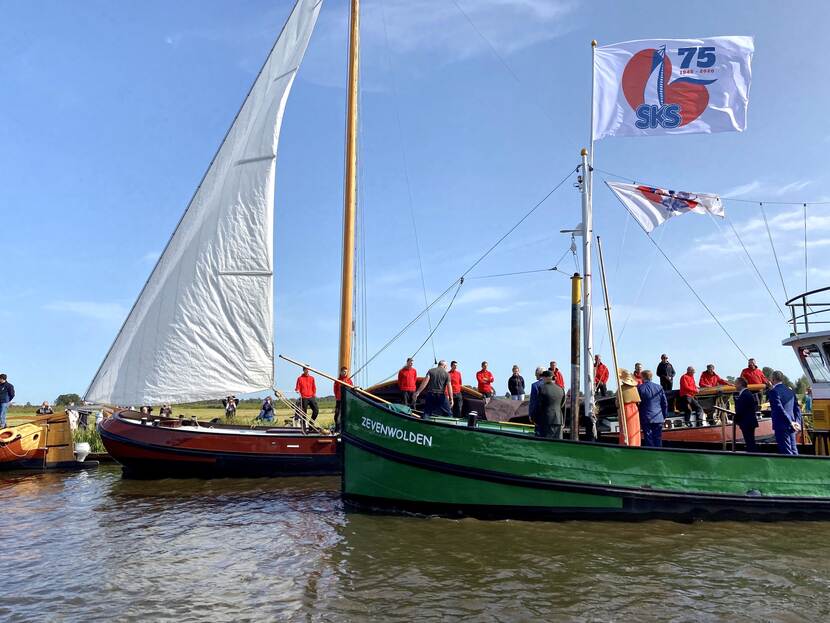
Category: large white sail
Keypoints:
(203, 326)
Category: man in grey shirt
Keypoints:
(438, 397)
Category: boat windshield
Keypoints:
(814, 362)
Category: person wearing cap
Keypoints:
(654, 408)
(710, 378)
(455, 382)
(547, 413)
(665, 372)
(601, 375)
(485, 380)
(631, 401)
(516, 385)
(746, 414)
(408, 383)
(557, 375)
(688, 393)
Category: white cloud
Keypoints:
(151, 257)
(762, 190)
(483, 294)
(110, 312)
(708, 320)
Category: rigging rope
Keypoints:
(440, 320)
(774, 253)
(697, 296)
(471, 267)
(757, 272)
(406, 172)
(806, 289)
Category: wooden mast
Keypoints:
(350, 194)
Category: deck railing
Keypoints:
(810, 311)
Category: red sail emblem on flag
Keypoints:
(673, 201)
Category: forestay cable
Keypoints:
(774, 254)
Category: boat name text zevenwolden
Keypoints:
(397, 433)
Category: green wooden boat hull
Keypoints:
(395, 461)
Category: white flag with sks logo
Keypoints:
(672, 86)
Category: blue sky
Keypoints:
(111, 111)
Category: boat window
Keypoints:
(814, 363)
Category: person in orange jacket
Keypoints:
(638, 373)
(485, 380)
(710, 378)
(455, 381)
(601, 375)
(343, 378)
(307, 388)
(753, 375)
(688, 400)
(557, 375)
(408, 382)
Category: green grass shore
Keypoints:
(245, 416)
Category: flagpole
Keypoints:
(587, 244)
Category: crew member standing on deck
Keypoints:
(338, 396)
(754, 375)
(654, 408)
(455, 383)
(534, 392)
(307, 388)
(438, 388)
(631, 405)
(601, 375)
(516, 385)
(638, 373)
(746, 409)
(408, 383)
(665, 372)
(485, 380)
(6, 397)
(710, 378)
(557, 375)
(786, 414)
(688, 397)
(547, 412)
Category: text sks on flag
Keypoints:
(652, 206)
(672, 86)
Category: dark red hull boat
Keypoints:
(176, 448)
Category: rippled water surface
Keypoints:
(90, 547)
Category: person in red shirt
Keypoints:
(688, 400)
(601, 375)
(455, 383)
(485, 380)
(710, 378)
(307, 388)
(753, 375)
(343, 378)
(638, 373)
(408, 383)
(557, 375)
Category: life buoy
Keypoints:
(8, 435)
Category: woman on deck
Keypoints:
(631, 400)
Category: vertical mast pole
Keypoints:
(587, 242)
(587, 320)
(620, 401)
(350, 193)
(576, 302)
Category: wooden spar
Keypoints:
(576, 346)
(331, 378)
(723, 413)
(620, 403)
(350, 194)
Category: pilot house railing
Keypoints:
(810, 311)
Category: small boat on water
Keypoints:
(171, 447)
(203, 325)
(44, 443)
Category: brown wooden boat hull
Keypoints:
(169, 449)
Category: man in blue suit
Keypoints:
(786, 415)
(653, 410)
(746, 408)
